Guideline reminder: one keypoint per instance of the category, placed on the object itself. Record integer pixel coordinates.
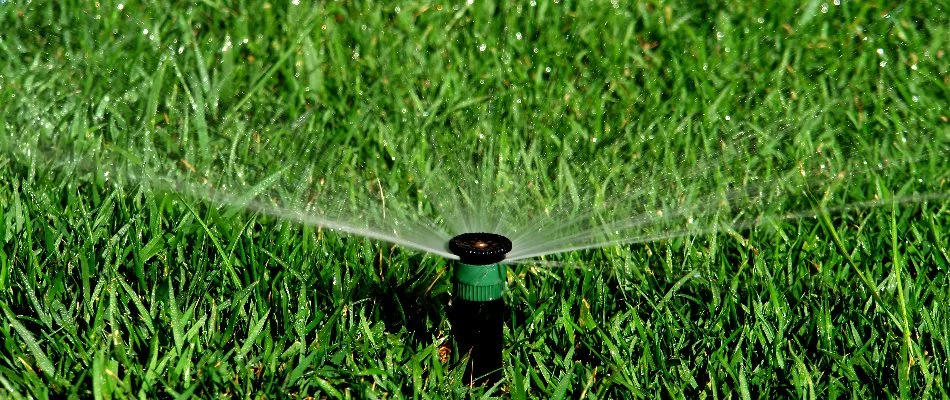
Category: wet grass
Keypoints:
(111, 286)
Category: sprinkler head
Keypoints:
(478, 276)
(479, 282)
(480, 248)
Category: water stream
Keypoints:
(535, 135)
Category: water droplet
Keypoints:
(120, 6)
(880, 52)
(883, 64)
(915, 99)
(518, 36)
(482, 47)
(824, 8)
(728, 118)
(398, 9)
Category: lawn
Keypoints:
(252, 200)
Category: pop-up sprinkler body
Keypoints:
(478, 309)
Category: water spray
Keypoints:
(478, 309)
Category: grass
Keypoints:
(115, 284)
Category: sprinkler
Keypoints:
(479, 281)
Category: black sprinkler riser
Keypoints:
(478, 311)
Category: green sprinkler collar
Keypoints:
(479, 276)
(479, 282)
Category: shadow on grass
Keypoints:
(419, 303)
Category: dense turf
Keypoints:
(113, 285)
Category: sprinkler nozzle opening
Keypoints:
(480, 248)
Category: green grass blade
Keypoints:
(252, 335)
(871, 287)
(32, 345)
(176, 319)
(225, 258)
(10, 390)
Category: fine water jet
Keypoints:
(478, 309)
